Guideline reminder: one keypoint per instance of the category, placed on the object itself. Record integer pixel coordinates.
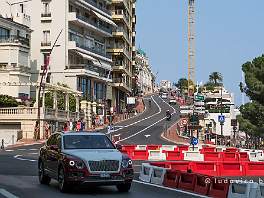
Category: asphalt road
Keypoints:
(18, 166)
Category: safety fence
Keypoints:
(199, 184)
(190, 153)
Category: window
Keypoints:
(46, 36)
(46, 8)
(4, 33)
(21, 6)
(18, 33)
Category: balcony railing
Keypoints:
(83, 18)
(100, 71)
(94, 3)
(46, 14)
(45, 43)
(14, 39)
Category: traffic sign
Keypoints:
(221, 118)
(194, 141)
(234, 122)
(199, 97)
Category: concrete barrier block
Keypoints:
(157, 176)
(244, 190)
(145, 172)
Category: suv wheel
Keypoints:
(43, 178)
(123, 187)
(63, 185)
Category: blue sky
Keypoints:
(228, 33)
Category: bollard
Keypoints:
(2, 145)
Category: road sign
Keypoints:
(199, 98)
(234, 122)
(194, 141)
(221, 118)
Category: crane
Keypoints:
(191, 45)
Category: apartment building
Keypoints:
(79, 58)
(15, 55)
(122, 48)
(145, 77)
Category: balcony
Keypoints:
(116, 50)
(96, 5)
(45, 43)
(85, 22)
(120, 32)
(89, 23)
(13, 39)
(96, 71)
(120, 15)
(121, 84)
(46, 16)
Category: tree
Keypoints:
(61, 99)
(216, 78)
(8, 101)
(182, 84)
(252, 114)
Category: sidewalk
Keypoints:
(25, 142)
(172, 135)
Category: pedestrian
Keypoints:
(65, 127)
(71, 125)
(78, 126)
(93, 120)
(47, 130)
(36, 131)
(82, 125)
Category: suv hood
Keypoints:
(95, 154)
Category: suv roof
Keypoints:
(65, 133)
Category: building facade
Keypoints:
(79, 59)
(15, 57)
(145, 76)
(122, 48)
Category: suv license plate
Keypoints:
(104, 175)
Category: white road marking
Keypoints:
(7, 194)
(33, 149)
(19, 157)
(33, 153)
(148, 126)
(172, 189)
(141, 119)
(9, 150)
(147, 136)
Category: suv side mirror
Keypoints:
(119, 147)
(54, 147)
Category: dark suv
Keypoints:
(84, 158)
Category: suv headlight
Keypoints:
(126, 163)
(74, 162)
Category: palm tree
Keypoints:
(216, 78)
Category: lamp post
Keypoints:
(44, 72)
(221, 111)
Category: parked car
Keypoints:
(172, 101)
(84, 158)
(164, 95)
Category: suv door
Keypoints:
(55, 154)
(52, 141)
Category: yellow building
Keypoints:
(122, 48)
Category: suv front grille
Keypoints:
(104, 165)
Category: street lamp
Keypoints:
(44, 72)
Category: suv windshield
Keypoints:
(87, 142)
